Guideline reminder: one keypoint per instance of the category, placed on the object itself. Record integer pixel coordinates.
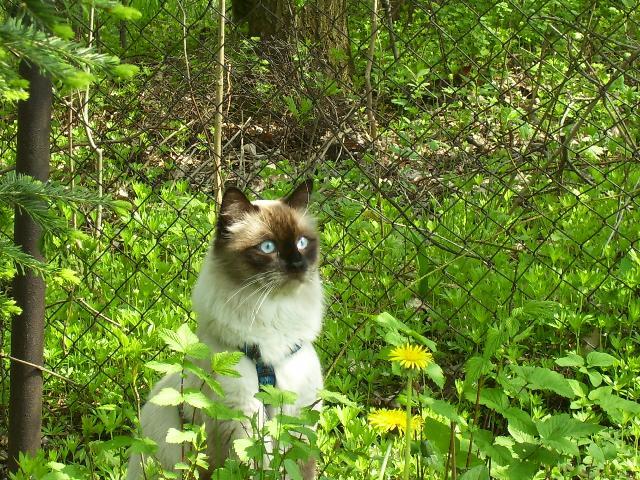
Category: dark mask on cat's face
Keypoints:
(269, 241)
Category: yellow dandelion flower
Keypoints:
(386, 420)
(411, 356)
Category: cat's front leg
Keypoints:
(222, 434)
(239, 395)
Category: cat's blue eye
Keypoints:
(303, 242)
(267, 246)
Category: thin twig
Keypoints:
(476, 415)
(89, 130)
(192, 93)
(97, 313)
(206, 162)
(386, 5)
(584, 113)
(39, 367)
(367, 73)
(345, 346)
(72, 163)
(452, 446)
(217, 121)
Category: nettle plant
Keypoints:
(270, 451)
(506, 419)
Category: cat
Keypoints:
(259, 291)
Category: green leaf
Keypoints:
(600, 359)
(479, 472)
(115, 443)
(185, 336)
(554, 427)
(66, 275)
(198, 350)
(438, 433)
(614, 405)
(580, 429)
(167, 396)
(563, 445)
(596, 453)
(243, 447)
(78, 79)
(270, 395)
(143, 446)
(434, 372)
(177, 436)
(291, 105)
(125, 71)
(292, 469)
(594, 377)
(536, 309)
(486, 443)
(63, 30)
(219, 411)
(388, 321)
(122, 207)
(180, 340)
(475, 367)
(540, 378)
(196, 399)
(223, 363)
(125, 13)
(164, 367)
(522, 470)
(444, 409)
(495, 338)
(335, 397)
(520, 420)
(205, 376)
(171, 339)
(571, 360)
(494, 398)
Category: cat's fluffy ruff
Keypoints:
(231, 314)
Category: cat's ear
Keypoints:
(234, 206)
(300, 197)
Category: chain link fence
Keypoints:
(471, 159)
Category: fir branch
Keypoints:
(62, 59)
(8, 307)
(22, 261)
(41, 12)
(36, 198)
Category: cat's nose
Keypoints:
(297, 265)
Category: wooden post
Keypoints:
(27, 329)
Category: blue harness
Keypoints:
(266, 373)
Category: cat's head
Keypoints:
(267, 241)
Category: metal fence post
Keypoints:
(27, 329)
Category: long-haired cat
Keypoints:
(259, 292)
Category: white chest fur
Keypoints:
(230, 315)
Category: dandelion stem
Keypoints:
(407, 451)
(383, 468)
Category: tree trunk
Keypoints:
(322, 22)
(325, 24)
(27, 329)
(266, 18)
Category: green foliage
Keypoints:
(519, 277)
(38, 34)
(42, 202)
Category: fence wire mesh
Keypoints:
(471, 158)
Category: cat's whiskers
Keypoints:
(272, 286)
(269, 278)
(252, 280)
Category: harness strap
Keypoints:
(265, 371)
